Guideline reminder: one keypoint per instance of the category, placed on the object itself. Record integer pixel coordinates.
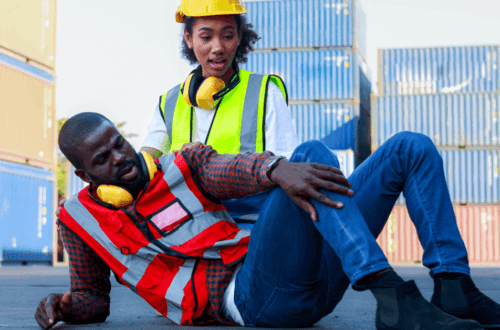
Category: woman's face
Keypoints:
(214, 42)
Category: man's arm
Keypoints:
(235, 176)
(88, 299)
(229, 176)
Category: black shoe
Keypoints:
(404, 308)
(461, 298)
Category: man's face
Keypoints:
(108, 158)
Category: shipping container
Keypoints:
(339, 74)
(27, 114)
(28, 28)
(27, 213)
(478, 226)
(438, 70)
(450, 120)
(73, 183)
(288, 24)
(346, 161)
(472, 176)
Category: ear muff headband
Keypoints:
(185, 89)
(196, 82)
(121, 197)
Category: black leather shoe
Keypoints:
(460, 297)
(404, 308)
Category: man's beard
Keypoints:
(133, 187)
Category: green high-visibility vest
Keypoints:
(239, 120)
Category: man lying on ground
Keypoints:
(160, 227)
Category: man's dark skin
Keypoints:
(107, 158)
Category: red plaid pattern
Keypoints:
(221, 176)
(90, 284)
(218, 278)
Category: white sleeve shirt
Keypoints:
(281, 137)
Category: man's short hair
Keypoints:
(76, 129)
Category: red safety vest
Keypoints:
(165, 264)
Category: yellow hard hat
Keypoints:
(198, 8)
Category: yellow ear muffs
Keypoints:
(199, 92)
(207, 90)
(150, 164)
(114, 195)
(121, 197)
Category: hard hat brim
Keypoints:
(179, 15)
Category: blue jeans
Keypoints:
(297, 270)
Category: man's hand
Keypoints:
(51, 309)
(302, 181)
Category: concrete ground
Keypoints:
(22, 287)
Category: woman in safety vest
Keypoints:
(220, 105)
(231, 109)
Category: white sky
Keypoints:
(117, 57)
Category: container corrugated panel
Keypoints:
(73, 183)
(28, 118)
(28, 28)
(315, 121)
(306, 23)
(27, 213)
(450, 120)
(439, 70)
(478, 226)
(346, 161)
(312, 75)
(472, 176)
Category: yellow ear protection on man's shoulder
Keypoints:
(199, 91)
(121, 197)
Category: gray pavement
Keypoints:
(22, 287)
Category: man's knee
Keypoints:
(414, 141)
(314, 152)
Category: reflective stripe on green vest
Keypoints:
(239, 121)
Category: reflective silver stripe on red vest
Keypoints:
(137, 269)
(91, 226)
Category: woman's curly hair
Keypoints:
(248, 38)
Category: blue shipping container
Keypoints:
(451, 120)
(27, 213)
(316, 121)
(439, 70)
(337, 125)
(472, 176)
(346, 161)
(285, 24)
(316, 75)
(73, 183)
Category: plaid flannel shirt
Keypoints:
(221, 176)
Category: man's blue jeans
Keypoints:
(297, 270)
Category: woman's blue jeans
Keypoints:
(297, 270)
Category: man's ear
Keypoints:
(83, 175)
(188, 39)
